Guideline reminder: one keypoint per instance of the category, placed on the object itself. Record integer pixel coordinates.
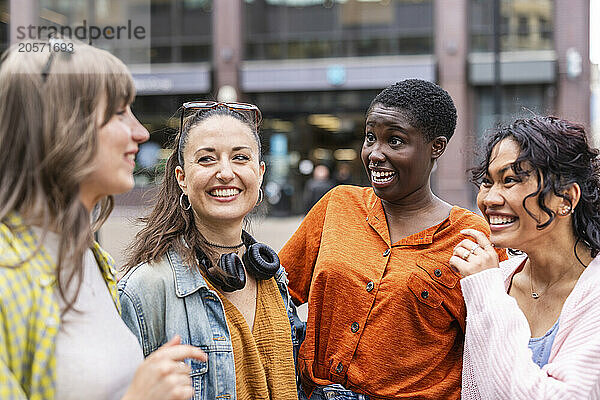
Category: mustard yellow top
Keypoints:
(263, 356)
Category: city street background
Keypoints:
(120, 228)
(314, 66)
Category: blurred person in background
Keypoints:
(343, 174)
(194, 271)
(533, 328)
(386, 316)
(68, 141)
(316, 187)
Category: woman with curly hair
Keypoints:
(533, 327)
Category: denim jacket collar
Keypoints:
(187, 280)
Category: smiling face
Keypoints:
(114, 162)
(396, 156)
(501, 197)
(222, 170)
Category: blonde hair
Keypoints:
(48, 129)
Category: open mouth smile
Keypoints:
(224, 193)
(498, 222)
(382, 177)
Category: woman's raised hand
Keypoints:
(469, 257)
(163, 375)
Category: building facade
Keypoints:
(313, 66)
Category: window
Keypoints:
(4, 39)
(284, 29)
(525, 25)
(523, 29)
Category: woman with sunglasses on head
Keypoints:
(194, 271)
(533, 327)
(68, 141)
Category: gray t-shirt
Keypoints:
(96, 354)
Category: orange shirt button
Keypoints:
(437, 272)
(370, 286)
(354, 327)
(339, 368)
(424, 294)
(386, 253)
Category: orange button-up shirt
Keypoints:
(384, 319)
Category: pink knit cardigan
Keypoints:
(497, 361)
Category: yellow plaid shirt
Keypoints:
(29, 312)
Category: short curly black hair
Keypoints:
(428, 107)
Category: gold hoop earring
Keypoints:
(181, 203)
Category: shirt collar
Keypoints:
(187, 279)
(377, 220)
(376, 216)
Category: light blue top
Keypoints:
(541, 346)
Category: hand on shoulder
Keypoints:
(470, 257)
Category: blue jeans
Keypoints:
(332, 392)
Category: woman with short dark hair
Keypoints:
(385, 313)
(533, 330)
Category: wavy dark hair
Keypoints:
(168, 225)
(558, 153)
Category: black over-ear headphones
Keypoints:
(260, 261)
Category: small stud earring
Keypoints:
(564, 211)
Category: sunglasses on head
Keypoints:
(56, 45)
(248, 111)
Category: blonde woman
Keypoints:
(68, 141)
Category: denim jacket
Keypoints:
(170, 297)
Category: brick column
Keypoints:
(451, 27)
(22, 13)
(571, 35)
(227, 43)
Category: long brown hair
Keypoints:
(48, 129)
(168, 225)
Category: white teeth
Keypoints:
(382, 176)
(501, 219)
(224, 192)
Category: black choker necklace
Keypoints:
(220, 246)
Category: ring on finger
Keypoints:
(466, 255)
(473, 249)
